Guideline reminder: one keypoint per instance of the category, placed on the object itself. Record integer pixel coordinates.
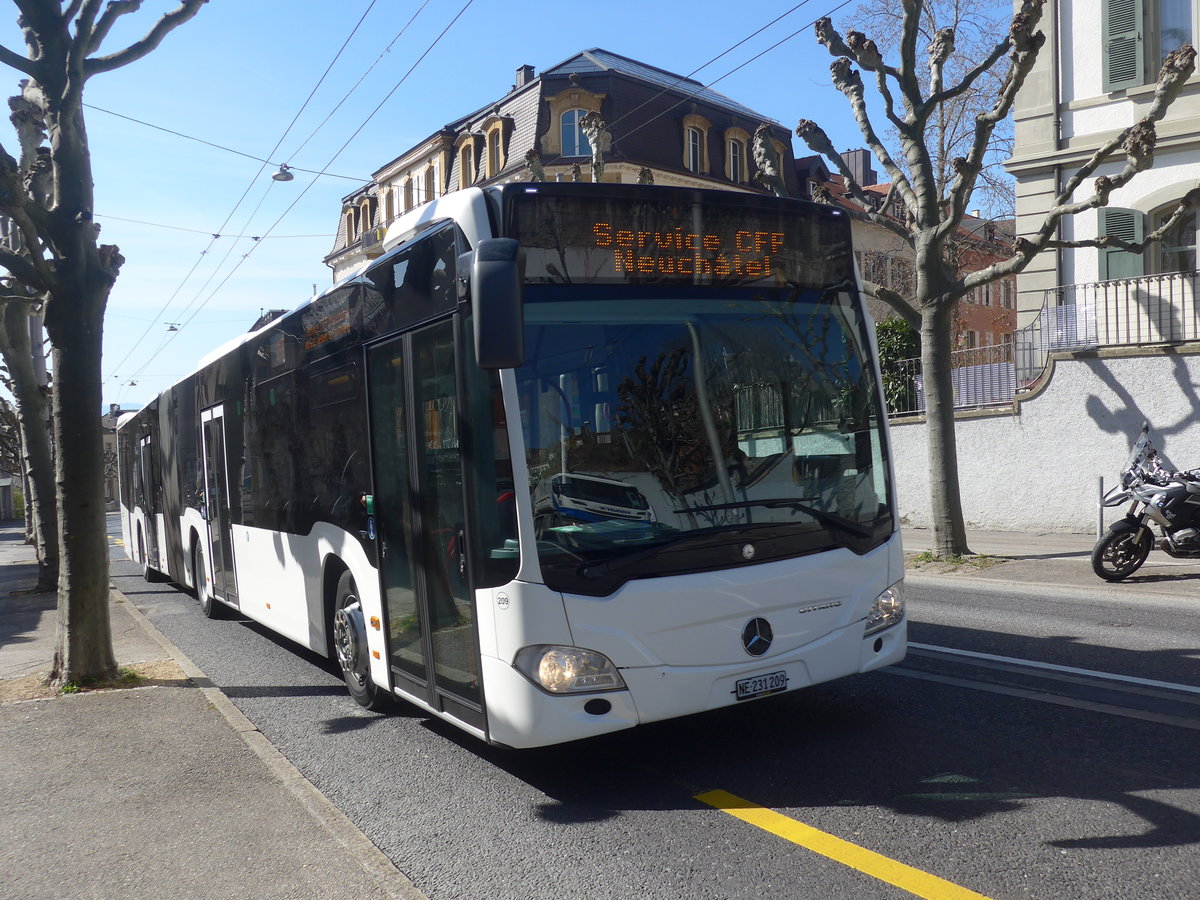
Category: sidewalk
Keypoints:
(158, 791)
(1050, 559)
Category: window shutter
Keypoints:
(1126, 224)
(1124, 49)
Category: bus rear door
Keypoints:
(216, 507)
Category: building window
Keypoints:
(737, 161)
(695, 150)
(408, 194)
(493, 153)
(1138, 35)
(466, 171)
(1176, 252)
(574, 141)
(430, 183)
(351, 231)
(1006, 294)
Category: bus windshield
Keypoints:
(700, 430)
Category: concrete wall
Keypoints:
(1035, 467)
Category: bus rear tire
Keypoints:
(209, 605)
(349, 631)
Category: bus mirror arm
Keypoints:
(494, 276)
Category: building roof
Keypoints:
(599, 60)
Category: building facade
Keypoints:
(1088, 84)
(647, 123)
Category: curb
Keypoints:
(1101, 592)
(338, 825)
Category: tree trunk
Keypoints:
(83, 648)
(949, 530)
(37, 455)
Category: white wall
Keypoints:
(1037, 469)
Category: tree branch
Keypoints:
(1026, 43)
(895, 301)
(21, 268)
(19, 62)
(112, 12)
(818, 141)
(164, 26)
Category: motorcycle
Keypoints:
(1157, 496)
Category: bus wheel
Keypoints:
(350, 646)
(209, 605)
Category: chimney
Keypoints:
(859, 163)
(524, 75)
(114, 408)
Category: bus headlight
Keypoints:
(568, 670)
(887, 610)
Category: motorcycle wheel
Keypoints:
(1119, 554)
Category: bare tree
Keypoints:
(48, 193)
(951, 128)
(24, 356)
(934, 211)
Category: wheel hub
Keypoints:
(350, 640)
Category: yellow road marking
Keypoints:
(916, 882)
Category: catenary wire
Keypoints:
(204, 252)
(308, 187)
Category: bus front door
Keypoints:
(419, 514)
(216, 503)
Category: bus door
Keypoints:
(148, 487)
(419, 514)
(216, 503)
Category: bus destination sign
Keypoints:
(688, 254)
(678, 238)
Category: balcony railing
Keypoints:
(1153, 309)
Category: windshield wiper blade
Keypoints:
(825, 518)
(600, 569)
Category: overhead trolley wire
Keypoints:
(309, 186)
(216, 234)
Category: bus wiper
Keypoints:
(825, 518)
(600, 569)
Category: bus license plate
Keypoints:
(771, 683)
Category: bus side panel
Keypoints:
(281, 579)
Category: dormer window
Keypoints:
(574, 141)
(695, 144)
(737, 156)
(466, 167)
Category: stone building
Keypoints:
(648, 124)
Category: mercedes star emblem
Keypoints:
(757, 636)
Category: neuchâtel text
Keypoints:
(688, 253)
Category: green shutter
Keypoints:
(1124, 48)
(1126, 224)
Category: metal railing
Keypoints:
(981, 377)
(1152, 309)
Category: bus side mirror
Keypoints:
(493, 281)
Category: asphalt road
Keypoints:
(1006, 779)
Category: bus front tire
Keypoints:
(349, 630)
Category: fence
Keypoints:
(1152, 309)
(981, 377)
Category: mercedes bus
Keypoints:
(362, 475)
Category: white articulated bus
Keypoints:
(364, 475)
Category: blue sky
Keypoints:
(239, 73)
